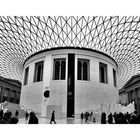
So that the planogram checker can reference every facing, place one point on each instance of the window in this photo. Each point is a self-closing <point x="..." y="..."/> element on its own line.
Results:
<point x="26" y="76"/>
<point x="103" y="73"/>
<point x="38" y="76"/>
<point x="59" y="69"/>
<point x="114" y="78"/>
<point x="17" y="101"/>
<point x="83" y="69"/>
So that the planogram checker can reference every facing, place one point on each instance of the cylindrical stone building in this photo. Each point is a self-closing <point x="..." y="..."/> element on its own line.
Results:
<point x="68" y="80"/>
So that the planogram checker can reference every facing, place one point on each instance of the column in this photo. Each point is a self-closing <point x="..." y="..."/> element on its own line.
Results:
<point x="8" y="97"/>
<point x="135" y="98"/>
<point x="2" y="93"/>
<point x="1" y="90"/>
<point x="129" y="97"/>
<point x="47" y="79"/>
<point x="138" y="100"/>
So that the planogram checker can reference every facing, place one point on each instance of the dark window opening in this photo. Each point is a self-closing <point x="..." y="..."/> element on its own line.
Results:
<point x="79" y="70"/>
<point x="83" y="69"/>
<point x="17" y="101"/>
<point x="26" y="76"/>
<point x="114" y="78"/>
<point x="59" y="69"/>
<point x="103" y="73"/>
<point x="63" y="70"/>
<point x="38" y="72"/>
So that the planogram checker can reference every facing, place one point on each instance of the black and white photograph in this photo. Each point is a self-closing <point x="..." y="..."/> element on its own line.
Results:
<point x="69" y="72"/>
<point x="70" y="69"/>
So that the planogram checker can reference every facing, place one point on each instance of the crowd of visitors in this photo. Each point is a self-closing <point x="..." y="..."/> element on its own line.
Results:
<point x="30" y="118"/>
<point x="113" y="118"/>
<point x="88" y="116"/>
<point x="120" y="118"/>
<point x="6" y="117"/>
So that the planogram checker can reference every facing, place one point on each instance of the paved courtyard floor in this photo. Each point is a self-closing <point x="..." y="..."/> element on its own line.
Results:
<point x="59" y="121"/>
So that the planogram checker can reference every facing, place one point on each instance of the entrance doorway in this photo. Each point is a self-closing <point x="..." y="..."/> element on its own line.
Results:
<point x="70" y="86"/>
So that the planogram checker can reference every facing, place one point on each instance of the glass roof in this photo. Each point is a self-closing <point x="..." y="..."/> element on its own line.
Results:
<point x="117" y="36"/>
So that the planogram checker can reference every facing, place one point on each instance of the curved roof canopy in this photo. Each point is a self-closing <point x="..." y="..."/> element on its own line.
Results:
<point x="119" y="37"/>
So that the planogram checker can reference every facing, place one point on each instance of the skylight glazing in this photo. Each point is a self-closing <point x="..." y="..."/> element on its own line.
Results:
<point x="117" y="36"/>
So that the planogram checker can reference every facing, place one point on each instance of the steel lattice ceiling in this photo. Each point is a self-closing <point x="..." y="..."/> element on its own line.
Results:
<point x="118" y="37"/>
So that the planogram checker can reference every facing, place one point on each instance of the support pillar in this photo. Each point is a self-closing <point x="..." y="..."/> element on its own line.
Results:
<point x="138" y="100"/>
<point x="46" y="86"/>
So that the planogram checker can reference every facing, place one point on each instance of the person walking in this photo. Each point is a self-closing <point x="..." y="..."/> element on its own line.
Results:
<point x="53" y="118"/>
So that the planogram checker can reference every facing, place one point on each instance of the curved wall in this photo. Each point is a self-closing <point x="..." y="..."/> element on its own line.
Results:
<point x="87" y="93"/>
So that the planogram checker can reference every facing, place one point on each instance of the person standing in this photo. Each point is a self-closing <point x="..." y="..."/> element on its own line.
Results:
<point x="26" y="115"/>
<point x="53" y="118"/>
<point x="82" y="117"/>
<point x="16" y="113"/>
<point x="103" y="118"/>
<point x="94" y="117"/>
<point x="110" y="118"/>
<point x="86" y="116"/>
<point x="33" y="119"/>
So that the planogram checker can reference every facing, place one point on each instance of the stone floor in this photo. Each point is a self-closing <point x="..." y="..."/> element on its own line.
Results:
<point x="59" y="121"/>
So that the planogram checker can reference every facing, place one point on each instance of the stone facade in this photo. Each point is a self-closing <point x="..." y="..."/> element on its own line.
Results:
<point x="10" y="90"/>
<point x="87" y="93"/>
<point x="131" y="92"/>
